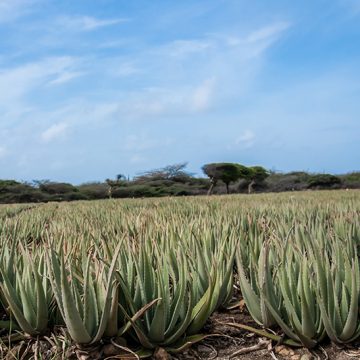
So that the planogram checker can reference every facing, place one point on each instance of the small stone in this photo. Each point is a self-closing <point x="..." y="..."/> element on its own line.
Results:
<point x="161" y="354"/>
<point x="286" y="352"/>
<point x="110" y="349"/>
<point x="307" y="357"/>
<point x="204" y="349"/>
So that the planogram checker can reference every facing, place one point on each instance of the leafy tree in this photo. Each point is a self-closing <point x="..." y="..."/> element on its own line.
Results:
<point x="257" y="174"/>
<point x="226" y="172"/>
<point x="120" y="177"/>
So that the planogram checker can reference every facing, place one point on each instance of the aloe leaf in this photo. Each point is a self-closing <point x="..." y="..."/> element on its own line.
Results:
<point x="105" y="311"/>
<point x="289" y="342"/>
<point x="72" y="317"/>
<point x="251" y="299"/>
<point x="136" y="316"/>
<point x="352" y="319"/>
<point x="182" y="327"/>
<point x="22" y="322"/>
<point x="184" y="344"/>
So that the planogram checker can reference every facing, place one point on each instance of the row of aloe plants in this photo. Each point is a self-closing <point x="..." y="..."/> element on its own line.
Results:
<point x="155" y="270"/>
<point x="151" y="291"/>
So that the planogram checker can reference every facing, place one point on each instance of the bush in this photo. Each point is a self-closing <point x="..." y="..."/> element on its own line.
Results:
<point x="15" y="192"/>
<point x="293" y="181"/>
<point x="136" y="191"/>
<point x="324" y="181"/>
<point x="57" y="188"/>
<point x="351" y="180"/>
<point x="94" y="190"/>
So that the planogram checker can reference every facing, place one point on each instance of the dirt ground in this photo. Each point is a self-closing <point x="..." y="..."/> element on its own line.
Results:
<point x="226" y="342"/>
<point x="238" y="344"/>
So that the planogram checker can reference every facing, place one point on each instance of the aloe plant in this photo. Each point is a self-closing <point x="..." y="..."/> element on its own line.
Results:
<point x="339" y="295"/>
<point x="86" y="300"/>
<point x="170" y="321"/>
<point x="24" y="288"/>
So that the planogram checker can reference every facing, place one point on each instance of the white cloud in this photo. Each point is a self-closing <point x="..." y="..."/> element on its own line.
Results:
<point x="53" y="132"/>
<point x="185" y="47"/>
<point x="12" y="9"/>
<point x="246" y="139"/>
<point x="125" y="69"/>
<point x="87" y="23"/>
<point x="268" y="32"/>
<point x="65" y="77"/>
<point x="202" y="95"/>
<point x="25" y="78"/>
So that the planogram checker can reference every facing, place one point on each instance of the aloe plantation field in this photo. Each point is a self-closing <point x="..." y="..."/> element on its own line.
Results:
<point x="241" y="276"/>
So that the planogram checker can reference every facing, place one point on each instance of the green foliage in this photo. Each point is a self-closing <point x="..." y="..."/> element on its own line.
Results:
<point x="94" y="191"/>
<point x="323" y="180"/>
<point x="226" y="172"/>
<point x="351" y="180"/>
<point x="152" y="271"/>
<point x="54" y="188"/>
<point x="258" y="174"/>
<point x="173" y="180"/>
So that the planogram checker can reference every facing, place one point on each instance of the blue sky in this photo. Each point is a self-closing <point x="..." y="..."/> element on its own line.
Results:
<point x="91" y="89"/>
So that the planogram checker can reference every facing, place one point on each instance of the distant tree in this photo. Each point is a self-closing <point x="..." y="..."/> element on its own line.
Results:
<point x="55" y="188"/>
<point x="226" y="172"/>
<point x="257" y="174"/>
<point x="38" y="183"/>
<point x="174" y="172"/>
<point x="120" y="177"/>
<point x="94" y="190"/>
<point x="323" y="181"/>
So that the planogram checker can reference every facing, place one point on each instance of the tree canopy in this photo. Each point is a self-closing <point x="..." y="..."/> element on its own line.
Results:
<point x="226" y="172"/>
<point x="257" y="174"/>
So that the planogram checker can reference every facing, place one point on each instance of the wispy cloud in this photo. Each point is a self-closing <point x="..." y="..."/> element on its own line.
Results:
<point x="27" y="77"/>
<point x="187" y="47"/>
<point x="65" y="77"/>
<point x="53" y="132"/>
<point x="13" y="9"/>
<point x="268" y="32"/>
<point x="202" y="95"/>
<point x="125" y="69"/>
<point x="87" y="23"/>
<point x="246" y="139"/>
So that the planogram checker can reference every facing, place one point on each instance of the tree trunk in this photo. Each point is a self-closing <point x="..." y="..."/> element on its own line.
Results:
<point x="210" y="189"/>
<point x="227" y="188"/>
<point x="213" y="183"/>
<point x="250" y="187"/>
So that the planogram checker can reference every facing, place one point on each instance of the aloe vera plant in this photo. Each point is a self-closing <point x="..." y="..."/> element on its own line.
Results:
<point x="299" y="314"/>
<point x="252" y="285"/>
<point x="156" y="269"/>
<point x="339" y="294"/>
<point x="24" y="289"/>
<point x="86" y="300"/>
<point x="169" y="321"/>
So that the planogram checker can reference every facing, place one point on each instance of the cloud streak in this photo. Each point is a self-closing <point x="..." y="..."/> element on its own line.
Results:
<point x="10" y="10"/>
<point x="54" y="132"/>
<point x="87" y="23"/>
